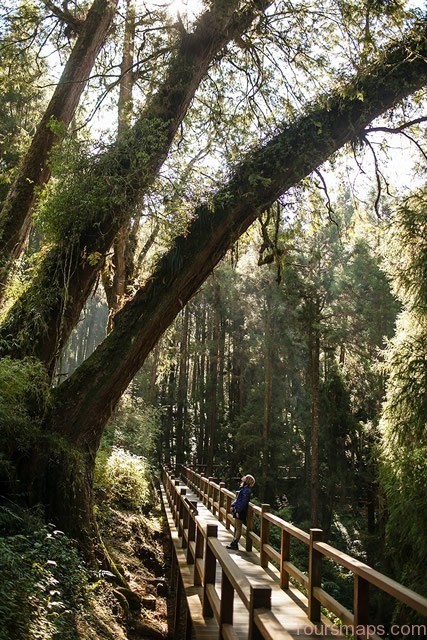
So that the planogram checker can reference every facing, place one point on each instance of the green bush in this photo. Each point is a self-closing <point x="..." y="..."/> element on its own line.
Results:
<point x="134" y="427"/>
<point x="123" y="479"/>
<point x="24" y="397"/>
<point x="44" y="582"/>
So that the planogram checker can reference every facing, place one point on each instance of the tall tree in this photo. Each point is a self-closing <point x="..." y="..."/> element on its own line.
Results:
<point x="403" y="424"/>
<point x="124" y="245"/>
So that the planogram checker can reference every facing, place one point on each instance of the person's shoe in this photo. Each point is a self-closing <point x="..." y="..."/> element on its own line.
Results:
<point x="233" y="545"/>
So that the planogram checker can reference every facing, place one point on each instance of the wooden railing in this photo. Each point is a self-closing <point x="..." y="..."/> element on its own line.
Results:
<point x="204" y="551"/>
<point x="218" y="499"/>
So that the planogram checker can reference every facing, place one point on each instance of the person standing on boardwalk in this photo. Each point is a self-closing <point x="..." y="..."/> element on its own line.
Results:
<point x="239" y="508"/>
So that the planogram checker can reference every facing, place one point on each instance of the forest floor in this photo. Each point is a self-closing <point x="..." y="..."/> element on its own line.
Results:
<point x="47" y="591"/>
<point x="139" y="544"/>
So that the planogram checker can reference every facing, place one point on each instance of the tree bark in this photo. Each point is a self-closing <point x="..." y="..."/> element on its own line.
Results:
<point x="181" y="406"/>
<point x="34" y="172"/>
<point x="122" y="255"/>
<point x="201" y="452"/>
<point x="268" y="398"/>
<point x="314" y="354"/>
<point x="120" y="179"/>
<point x="212" y="379"/>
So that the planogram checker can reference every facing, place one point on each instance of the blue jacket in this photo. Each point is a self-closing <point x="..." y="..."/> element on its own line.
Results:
<point x="240" y="504"/>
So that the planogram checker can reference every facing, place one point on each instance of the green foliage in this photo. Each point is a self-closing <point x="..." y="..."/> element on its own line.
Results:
<point x="92" y="186"/>
<point x="21" y="95"/>
<point x="406" y="259"/>
<point x="123" y="479"/>
<point x="44" y="582"/>
<point x="76" y="194"/>
<point x="404" y="419"/>
<point x="134" y="427"/>
<point x="24" y="400"/>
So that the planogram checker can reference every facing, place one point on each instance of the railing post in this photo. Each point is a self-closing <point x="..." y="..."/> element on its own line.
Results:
<point x="221" y="501"/>
<point x="210" y="569"/>
<point x="178" y="602"/>
<point x="198" y="576"/>
<point x="264" y="535"/>
<point x="169" y="489"/>
<point x="226" y="608"/>
<point x="185" y="518"/>
<point x="191" y="533"/>
<point x="179" y="512"/>
<point x="314" y="575"/>
<point x="361" y="607"/>
<point x="260" y="598"/>
<point x="285" y="554"/>
<point x="214" y="496"/>
<point x="227" y="511"/>
<point x="175" y="497"/>
<point x="249" y="528"/>
<point x="205" y="490"/>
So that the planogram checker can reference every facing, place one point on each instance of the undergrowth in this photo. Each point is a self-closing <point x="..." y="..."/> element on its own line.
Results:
<point x="45" y="585"/>
<point x="47" y="591"/>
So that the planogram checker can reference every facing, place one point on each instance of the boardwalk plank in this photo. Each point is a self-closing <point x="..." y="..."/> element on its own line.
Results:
<point x="289" y="606"/>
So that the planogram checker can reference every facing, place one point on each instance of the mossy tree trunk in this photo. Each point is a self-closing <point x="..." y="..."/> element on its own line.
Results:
<point x="122" y="255"/>
<point x="34" y="172"/>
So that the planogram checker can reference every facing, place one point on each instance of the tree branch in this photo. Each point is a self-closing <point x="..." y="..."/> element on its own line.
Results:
<point x="130" y="168"/>
<point x="65" y="15"/>
<point x="402" y="127"/>
<point x="402" y="130"/>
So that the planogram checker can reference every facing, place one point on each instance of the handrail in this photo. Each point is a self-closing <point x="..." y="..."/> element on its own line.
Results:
<point x="204" y="550"/>
<point x="214" y="494"/>
<point x="374" y="577"/>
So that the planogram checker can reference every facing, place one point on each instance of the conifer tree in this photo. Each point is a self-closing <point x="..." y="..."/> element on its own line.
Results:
<point x="404" y="418"/>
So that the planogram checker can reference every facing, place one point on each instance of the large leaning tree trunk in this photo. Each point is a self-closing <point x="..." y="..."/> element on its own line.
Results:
<point x="83" y="403"/>
<point x="34" y="172"/>
<point x="39" y="324"/>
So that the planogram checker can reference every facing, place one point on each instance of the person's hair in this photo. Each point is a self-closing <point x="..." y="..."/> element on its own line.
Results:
<point x="249" y="480"/>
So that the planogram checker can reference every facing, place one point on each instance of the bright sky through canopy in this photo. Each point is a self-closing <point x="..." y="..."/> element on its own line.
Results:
<point x="185" y="8"/>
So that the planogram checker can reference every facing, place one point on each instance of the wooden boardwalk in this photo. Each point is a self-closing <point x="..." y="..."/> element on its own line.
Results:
<point x="289" y="606"/>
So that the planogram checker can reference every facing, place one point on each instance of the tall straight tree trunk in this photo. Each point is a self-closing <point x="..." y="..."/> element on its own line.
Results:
<point x="121" y="253"/>
<point x="235" y="391"/>
<point x="314" y="351"/>
<point x="221" y="369"/>
<point x="34" y="172"/>
<point x="84" y="402"/>
<point x="168" y="420"/>
<point x="268" y="398"/>
<point x="152" y="393"/>
<point x="212" y="381"/>
<point x="181" y="405"/>
<point x="201" y="449"/>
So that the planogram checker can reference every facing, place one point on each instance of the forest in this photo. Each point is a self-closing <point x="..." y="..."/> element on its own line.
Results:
<point x="213" y="253"/>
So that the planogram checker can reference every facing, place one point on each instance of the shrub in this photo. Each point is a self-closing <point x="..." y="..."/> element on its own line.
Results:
<point x="44" y="584"/>
<point x="123" y="479"/>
